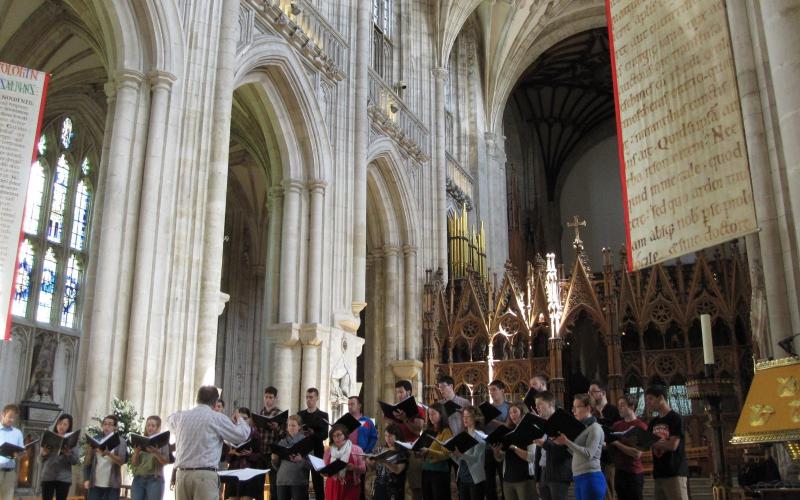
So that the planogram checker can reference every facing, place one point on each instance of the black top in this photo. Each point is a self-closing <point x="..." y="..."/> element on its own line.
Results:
<point x="610" y="415"/>
<point x="558" y="463"/>
<point x="516" y="469"/>
<point x="314" y="421"/>
<point x="670" y="463"/>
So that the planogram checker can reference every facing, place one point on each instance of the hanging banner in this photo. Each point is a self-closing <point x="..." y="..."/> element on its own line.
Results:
<point x="683" y="160"/>
<point x="22" y="94"/>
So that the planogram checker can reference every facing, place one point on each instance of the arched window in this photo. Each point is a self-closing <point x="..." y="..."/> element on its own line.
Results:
<point x="382" y="49"/>
<point x="54" y="250"/>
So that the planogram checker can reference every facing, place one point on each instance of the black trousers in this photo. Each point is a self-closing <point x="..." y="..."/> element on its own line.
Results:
<point x="435" y="485"/>
<point x="294" y="492"/>
<point x="319" y="485"/>
<point x="57" y="488"/>
<point x="492" y="467"/>
<point x="471" y="491"/>
<point x="629" y="486"/>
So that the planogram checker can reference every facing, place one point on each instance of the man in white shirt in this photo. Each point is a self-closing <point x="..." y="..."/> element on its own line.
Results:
<point x="8" y="466"/>
<point x="199" y="433"/>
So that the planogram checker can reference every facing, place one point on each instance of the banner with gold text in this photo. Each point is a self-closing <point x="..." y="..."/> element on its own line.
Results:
<point x="683" y="161"/>
<point x="22" y="94"/>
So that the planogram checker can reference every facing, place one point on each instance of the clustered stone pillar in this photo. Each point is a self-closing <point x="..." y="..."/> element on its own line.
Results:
<point x="315" y="242"/>
<point x="390" y="313"/>
<point x="440" y="168"/>
<point x="290" y="243"/>
<point x="145" y="352"/>
<point x="104" y="331"/>
<point x="411" y="303"/>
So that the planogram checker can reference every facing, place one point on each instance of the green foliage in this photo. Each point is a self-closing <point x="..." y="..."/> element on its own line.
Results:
<point x="129" y="421"/>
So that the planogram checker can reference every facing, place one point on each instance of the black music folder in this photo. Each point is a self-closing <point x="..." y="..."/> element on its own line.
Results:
<point x="462" y="442"/>
<point x="156" y="440"/>
<point x="53" y="441"/>
<point x="107" y="443"/>
<point x="302" y="448"/>
<point x="262" y="421"/>
<point x="489" y="411"/>
<point x="407" y="406"/>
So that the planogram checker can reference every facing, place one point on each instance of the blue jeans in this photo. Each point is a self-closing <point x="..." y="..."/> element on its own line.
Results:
<point x="590" y="486"/>
<point x="147" y="488"/>
<point x="96" y="493"/>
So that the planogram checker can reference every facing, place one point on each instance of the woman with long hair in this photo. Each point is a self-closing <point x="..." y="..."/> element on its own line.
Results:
<point x="471" y="475"/>
<point x="56" y="475"/>
<point x="518" y="477"/>
<point x="435" y="464"/>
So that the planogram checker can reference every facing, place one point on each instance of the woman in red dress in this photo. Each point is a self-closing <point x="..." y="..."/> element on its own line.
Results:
<point x="346" y="484"/>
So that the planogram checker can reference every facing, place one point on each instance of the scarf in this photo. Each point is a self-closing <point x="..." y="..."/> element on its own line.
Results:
<point x="342" y="454"/>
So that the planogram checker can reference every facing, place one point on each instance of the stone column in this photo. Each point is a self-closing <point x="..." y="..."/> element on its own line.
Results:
<point x="360" y="144"/>
<point x="767" y="250"/>
<point x="412" y="303"/>
<point x="440" y="168"/>
<point x="311" y="340"/>
<point x="104" y="331"/>
<point x="555" y="346"/>
<point x="390" y="311"/>
<point x="273" y="254"/>
<point x="780" y="21"/>
<point x="290" y="250"/>
<point x="316" y="241"/>
<point x="216" y="195"/>
<point x="497" y="247"/>
<point x="284" y="371"/>
<point x="144" y="340"/>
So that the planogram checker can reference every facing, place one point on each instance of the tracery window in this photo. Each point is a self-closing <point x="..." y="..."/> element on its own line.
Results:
<point x="382" y="49"/>
<point x="54" y="251"/>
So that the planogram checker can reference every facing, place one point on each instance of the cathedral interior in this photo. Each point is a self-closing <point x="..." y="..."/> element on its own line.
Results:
<point x="341" y="195"/>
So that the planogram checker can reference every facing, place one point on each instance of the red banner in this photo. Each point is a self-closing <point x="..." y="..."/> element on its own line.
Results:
<point x="22" y="97"/>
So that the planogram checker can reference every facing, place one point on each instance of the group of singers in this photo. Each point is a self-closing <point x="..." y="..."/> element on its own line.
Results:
<point x="206" y="441"/>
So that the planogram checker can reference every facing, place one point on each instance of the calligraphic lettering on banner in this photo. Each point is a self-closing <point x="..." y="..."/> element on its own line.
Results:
<point x="683" y="161"/>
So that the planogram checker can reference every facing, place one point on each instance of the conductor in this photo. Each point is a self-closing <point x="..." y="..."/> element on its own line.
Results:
<point x="199" y="433"/>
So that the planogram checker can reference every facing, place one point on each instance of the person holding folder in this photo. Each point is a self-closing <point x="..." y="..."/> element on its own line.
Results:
<point x="102" y="472"/>
<point x="445" y="383"/>
<point x="147" y="466"/>
<point x="518" y="478"/>
<point x="590" y="483"/>
<point x="390" y="470"/>
<point x="315" y="426"/>
<point x="471" y="475"/>
<point x="345" y="484"/>
<point x="291" y="477"/>
<point x="629" y="477"/>
<point x="272" y="434"/>
<point x="56" y="471"/>
<point x="8" y="466"/>
<point x="247" y="456"/>
<point x="435" y="465"/>
<point x="553" y="465"/>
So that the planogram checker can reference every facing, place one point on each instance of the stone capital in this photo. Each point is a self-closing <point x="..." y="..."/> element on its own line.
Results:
<point x="409" y="250"/>
<point x="391" y="250"/>
<point x="317" y="186"/>
<point x="128" y="78"/>
<point x="407" y="369"/>
<point x="287" y="334"/>
<point x="440" y="74"/>
<point x="161" y="80"/>
<point x="110" y="90"/>
<point x="313" y="334"/>
<point x="292" y="186"/>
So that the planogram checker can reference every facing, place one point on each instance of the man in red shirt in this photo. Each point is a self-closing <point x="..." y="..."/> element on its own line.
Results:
<point x="629" y="477"/>
<point x="410" y="428"/>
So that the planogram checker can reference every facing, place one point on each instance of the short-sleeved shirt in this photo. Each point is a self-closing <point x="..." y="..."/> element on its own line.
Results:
<point x="670" y="463"/>
<point x="622" y="461"/>
<point x="10" y="435"/>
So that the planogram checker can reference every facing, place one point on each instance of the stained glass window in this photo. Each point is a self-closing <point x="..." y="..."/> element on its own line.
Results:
<point x="57" y="226"/>
<point x="80" y="217"/>
<point x="33" y="203"/>
<point x="22" y="290"/>
<point x="72" y="278"/>
<point x="66" y="133"/>
<point x="48" y="288"/>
